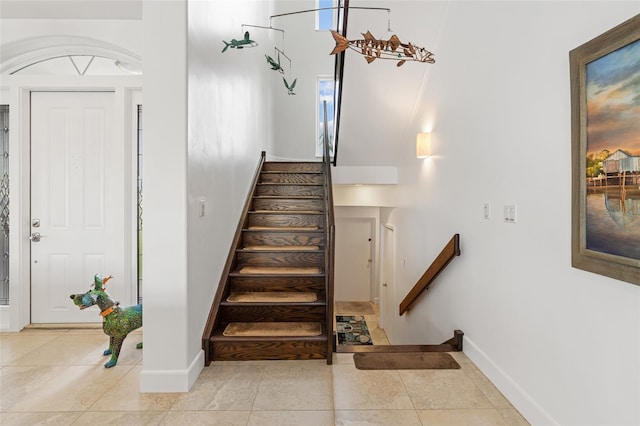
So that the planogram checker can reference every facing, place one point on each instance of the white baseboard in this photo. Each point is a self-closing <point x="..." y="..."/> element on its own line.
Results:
<point x="5" y="319"/>
<point x="162" y="381"/>
<point x="519" y="398"/>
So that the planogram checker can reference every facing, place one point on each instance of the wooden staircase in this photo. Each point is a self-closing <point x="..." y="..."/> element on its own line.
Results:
<point x="272" y="299"/>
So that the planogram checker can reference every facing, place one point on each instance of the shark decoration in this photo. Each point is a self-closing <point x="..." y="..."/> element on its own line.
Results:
<point x="372" y="48"/>
<point x="239" y="44"/>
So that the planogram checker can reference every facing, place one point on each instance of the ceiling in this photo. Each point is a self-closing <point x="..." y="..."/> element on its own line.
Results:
<point x="71" y="9"/>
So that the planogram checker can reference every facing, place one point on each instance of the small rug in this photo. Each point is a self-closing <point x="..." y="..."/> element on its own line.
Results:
<point x="405" y="361"/>
<point x="273" y="329"/>
<point x="352" y="330"/>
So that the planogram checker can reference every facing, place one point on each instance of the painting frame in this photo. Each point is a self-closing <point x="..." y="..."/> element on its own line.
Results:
<point x="600" y="262"/>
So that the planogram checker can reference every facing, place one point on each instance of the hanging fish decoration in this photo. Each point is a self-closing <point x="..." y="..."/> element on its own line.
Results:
<point x="291" y="86"/>
<point x="373" y="49"/>
<point x="239" y="44"/>
<point x="274" y="65"/>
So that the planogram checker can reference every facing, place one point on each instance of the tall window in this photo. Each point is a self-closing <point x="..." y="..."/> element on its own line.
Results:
<point x="324" y="18"/>
<point x="4" y="205"/>
<point x="324" y="93"/>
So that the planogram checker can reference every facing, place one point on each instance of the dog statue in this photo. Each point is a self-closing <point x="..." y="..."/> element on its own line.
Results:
<point x="117" y="322"/>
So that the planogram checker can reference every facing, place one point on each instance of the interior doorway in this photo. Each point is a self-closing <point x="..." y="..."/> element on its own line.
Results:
<point x="354" y="259"/>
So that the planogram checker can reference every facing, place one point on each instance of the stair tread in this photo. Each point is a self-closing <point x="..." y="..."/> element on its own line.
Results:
<point x="288" y="211"/>
<point x="283" y="228"/>
<point x="280" y="248"/>
<point x="273" y="329"/>
<point x="273" y="297"/>
<point x="289" y="184"/>
<point x="282" y="270"/>
<point x="289" y="197"/>
<point x="289" y="173"/>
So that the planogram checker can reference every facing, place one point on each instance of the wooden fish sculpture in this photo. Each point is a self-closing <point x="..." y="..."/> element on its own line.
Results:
<point x="372" y="48"/>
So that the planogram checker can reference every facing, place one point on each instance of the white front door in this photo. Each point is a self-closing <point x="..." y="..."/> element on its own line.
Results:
<point x="77" y="202"/>
<point x="353" y="260"/>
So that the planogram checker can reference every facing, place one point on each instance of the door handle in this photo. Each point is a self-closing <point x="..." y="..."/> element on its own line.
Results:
<point x="384" y="284"/>
<point x="35" y="237"/>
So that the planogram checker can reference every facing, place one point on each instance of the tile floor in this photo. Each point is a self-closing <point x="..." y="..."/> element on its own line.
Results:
<point x="55" y="376"/>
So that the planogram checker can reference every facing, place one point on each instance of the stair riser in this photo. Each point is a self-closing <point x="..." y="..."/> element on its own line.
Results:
<point x="276" y="190"/>
<point x="288" y="259"/>
<point x="272" y="313"/>
<point x="291" y="178"/>
<point x="278" y="284"/>
<point x="281" y="220"/>
<point x="277" y="166"/>
<point x="248" y="350"/>
<point x="258" y="238"/>
<point x="288" y="205"/>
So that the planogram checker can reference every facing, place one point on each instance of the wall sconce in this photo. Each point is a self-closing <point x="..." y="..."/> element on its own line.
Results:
<point x="423" y="145"/>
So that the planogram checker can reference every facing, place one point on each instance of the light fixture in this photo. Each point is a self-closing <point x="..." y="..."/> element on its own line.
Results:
<point x="423" y="145"/>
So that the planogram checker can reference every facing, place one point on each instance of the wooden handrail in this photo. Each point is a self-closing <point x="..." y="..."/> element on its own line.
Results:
<point x="451" y="250"/>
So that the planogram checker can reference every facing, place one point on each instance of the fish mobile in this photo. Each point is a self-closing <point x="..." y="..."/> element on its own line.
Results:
<point x="372" y="48"/>
<point x="239" y="44"/>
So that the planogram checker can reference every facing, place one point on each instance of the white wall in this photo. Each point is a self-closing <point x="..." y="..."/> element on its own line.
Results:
<point x="219" y="113"/>
<point x="230" y="113"/>
<point x="169" y="361"/>
<point x="562" y="344"/>
<point x="308" y="49"/>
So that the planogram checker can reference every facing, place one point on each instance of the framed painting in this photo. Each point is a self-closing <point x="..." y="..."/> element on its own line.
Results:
<point x="605" y="154"/>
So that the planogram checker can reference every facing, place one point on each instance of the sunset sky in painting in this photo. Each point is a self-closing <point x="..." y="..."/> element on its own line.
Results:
<point x="613" y="101"/>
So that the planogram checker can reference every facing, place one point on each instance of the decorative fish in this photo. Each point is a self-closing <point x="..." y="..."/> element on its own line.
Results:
<point x="239" y="44"/>
<point x="373" y="49"/>
<point x="273" y="64"/>
<point x="290" y="87"/>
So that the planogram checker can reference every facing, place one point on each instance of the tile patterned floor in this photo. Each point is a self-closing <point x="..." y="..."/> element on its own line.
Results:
<point x="57" y="377"/>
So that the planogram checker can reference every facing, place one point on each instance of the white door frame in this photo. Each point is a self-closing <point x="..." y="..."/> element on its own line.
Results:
<point x="20" y="87"/>
<point x="386" y="323"/>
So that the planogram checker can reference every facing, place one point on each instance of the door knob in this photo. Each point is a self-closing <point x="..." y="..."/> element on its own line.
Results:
<point x="35" y="237"/>
<point x="384" y="284"/>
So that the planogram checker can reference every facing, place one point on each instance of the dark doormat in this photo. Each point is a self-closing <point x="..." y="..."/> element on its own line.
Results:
<point x="352" y="330"/>
<point x="405" y="361"/>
